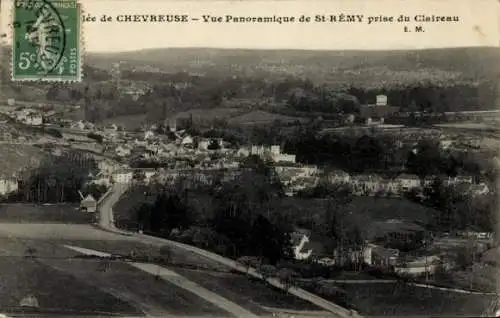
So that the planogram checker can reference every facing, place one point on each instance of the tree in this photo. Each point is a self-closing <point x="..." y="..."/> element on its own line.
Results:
<point x="143" y="216"/>
<point x="30" y="252"/>
<point x="287" y="277"/>
<point x="249" y="262"/>
<point x="96" y="137"/>
<point x="104" y="265"/>
<point x="366" y="154"/>
<point x="169" y="212"/>
<point x="213" y="145"/>
<point x="58" y="178"/>
<point x="243" y="215"/>
<point x="268" y="240"/>
<point x="166" y="254"/>
<point x="340" y="232"/>
<point x="267" y="271"/>
<point x="424" y="159"/>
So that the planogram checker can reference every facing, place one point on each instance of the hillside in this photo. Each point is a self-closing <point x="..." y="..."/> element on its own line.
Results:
<point x="454" y="79"/>
<point x="15" y="158"/>
<point x="326" y="66"/>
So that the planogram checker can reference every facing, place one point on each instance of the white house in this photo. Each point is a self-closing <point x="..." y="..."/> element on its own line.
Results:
<point x="338" y="176"/>
<point x="419" y="266"/>
<point x="34" y="119"/>
<point x="123" y="151"/>
<point x="149" y="174"/>
<point x="257" y="150"/>
<point x="478" y="189"/>
<point x="408" y="181"/>
<point x="282" y="157"/>
<point x="106" y="166"/>
<point x="187" y="141"/>
<point x="299" y="239"/>
<point x="8" y="185"/>
<point x="149" y="135"/>
<point x="89" y="203"/>
<point x="378" y="256"/>
<point x="203" y="144"/>
<point x="124" y="176"/>
<point x="243" y="152"/>
<point x="78" y="125"/>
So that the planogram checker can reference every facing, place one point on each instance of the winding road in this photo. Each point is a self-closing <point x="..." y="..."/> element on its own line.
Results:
<point x="107" y="223"/>
<point x="85" y="268"/>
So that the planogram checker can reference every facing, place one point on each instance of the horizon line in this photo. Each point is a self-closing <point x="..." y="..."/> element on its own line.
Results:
<point x="293" y="49"/>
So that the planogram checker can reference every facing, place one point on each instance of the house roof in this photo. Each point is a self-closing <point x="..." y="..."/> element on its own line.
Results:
<point x="89" y="198"/>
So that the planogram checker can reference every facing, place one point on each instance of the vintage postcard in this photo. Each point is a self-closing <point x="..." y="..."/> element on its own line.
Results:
<point x="164" y="158"/>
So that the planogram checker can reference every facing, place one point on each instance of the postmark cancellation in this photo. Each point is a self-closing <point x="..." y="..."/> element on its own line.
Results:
<point x="46" y="41"/>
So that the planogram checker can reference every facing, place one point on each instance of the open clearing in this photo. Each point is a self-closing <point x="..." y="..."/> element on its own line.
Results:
<point x="363" y="207"/>
<point x="158" y="297"/>
<point x="52" y="288"/>
<point x="33" y="213"/>
<point x="250" y="293"/>
<point x="260" y="117"/>
<point x="470" y="126"/>
<point x="399" y="300"/>
<point x="130" y="122"/>
<point x="210" y="114"/>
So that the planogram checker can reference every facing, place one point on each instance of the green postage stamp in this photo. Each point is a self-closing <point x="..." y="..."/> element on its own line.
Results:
<point x="46" y="41"/>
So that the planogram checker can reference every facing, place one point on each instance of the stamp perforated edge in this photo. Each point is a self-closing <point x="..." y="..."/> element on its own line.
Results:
<point x="81" y="50"/>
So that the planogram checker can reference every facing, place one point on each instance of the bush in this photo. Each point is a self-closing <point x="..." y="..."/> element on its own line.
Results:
<point x="96" y="137"/>
<point x="54" y="133"/>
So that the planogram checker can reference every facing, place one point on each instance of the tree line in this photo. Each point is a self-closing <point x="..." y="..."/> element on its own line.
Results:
<point x="457" y="210"/>
<point x="378" y="153"/>
<point x="172" y="92"/>
<point x="240" y="224"/>
<point x="57" y="179"/>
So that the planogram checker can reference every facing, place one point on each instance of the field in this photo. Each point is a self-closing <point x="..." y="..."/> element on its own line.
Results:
<point x="254" y="294"/>
<point x="125" y="247"/>
<point x="75" y="115"/>
<point x="473" y="126"/>
<point x="32" y="213"/>
<point x="210" y="114"/>
<point x="260" y="117"/>
<point x="398" y="300"/>
<point x="161" y="298"/>
<point x="61" y="281"/>
<point x="234" y="116"/>
<point x="54" y="289"/>
<point x="130" y="122"/>
<point x="362" y="208"/>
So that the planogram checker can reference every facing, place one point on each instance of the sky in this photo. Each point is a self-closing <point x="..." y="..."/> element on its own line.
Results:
<point x="478" y="25"/>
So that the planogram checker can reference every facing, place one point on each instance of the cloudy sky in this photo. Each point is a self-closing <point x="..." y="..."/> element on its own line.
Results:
<point x="478" y="26"/>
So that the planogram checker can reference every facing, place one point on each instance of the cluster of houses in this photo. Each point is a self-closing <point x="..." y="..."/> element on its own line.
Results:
<point x="377" y="185"/>
<point x="299" y="177"/>
<point x="28" y="116"/>
<point x="382" y="249"/>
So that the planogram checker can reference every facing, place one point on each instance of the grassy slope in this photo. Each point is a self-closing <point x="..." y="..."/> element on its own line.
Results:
<point x="32" y="213"/>
<point x="53" y="289"/>
<point x="14" y="158"/>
